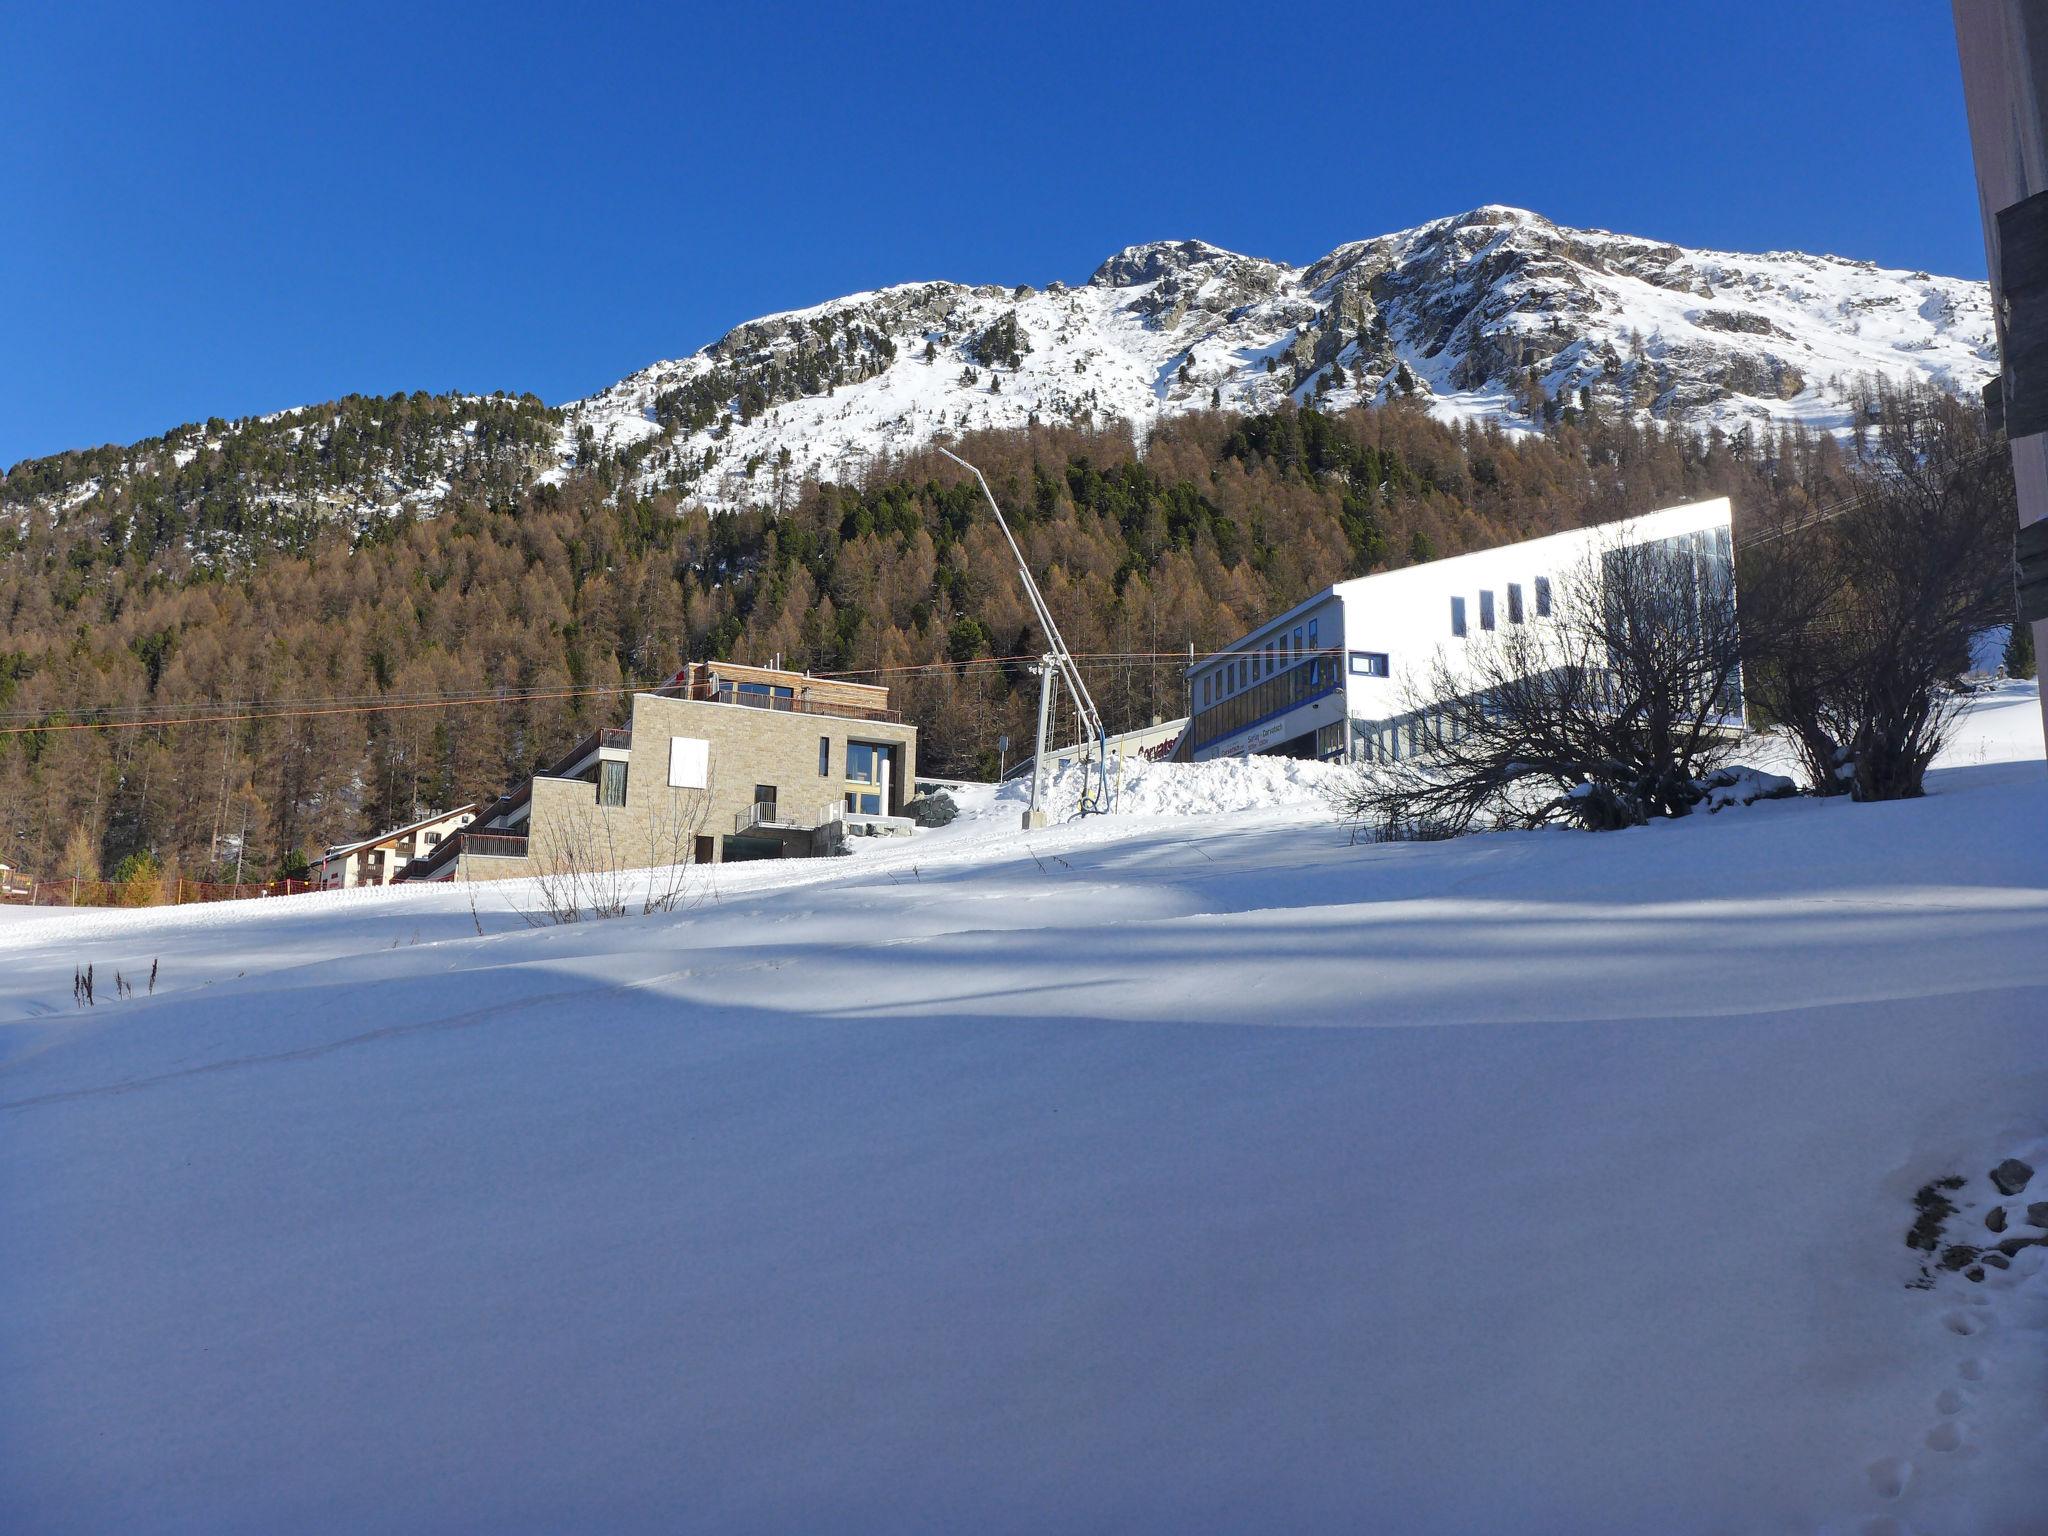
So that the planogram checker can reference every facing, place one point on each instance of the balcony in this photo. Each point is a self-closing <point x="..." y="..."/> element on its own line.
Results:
<point x="478" y="845"/>
<point x="770" y="815"/>
<point x="596" y="744"/>
<point x="789" y="704"/>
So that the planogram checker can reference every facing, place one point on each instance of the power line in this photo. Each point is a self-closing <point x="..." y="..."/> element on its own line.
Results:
<point x="219" y="712"/>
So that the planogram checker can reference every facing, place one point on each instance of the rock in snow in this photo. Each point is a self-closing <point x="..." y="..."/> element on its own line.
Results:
<point x="2011" y="1176"/>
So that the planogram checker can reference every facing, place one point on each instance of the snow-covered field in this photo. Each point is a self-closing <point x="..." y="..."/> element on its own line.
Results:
<point x="1177" y="1172"/>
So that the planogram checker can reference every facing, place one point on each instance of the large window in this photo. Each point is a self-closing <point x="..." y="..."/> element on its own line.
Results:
<point x="1486" y="609"/>
<point x="611" y="783"/>
<point x="1369" y="664"/>
<point x="1542" y="597"/>
<point x="866" y="765"/>
<point x="824" y="757"/>
<point x="1514" y="602"/>
<point x="1458" y="617"/>
<point x="1295" y="685"/>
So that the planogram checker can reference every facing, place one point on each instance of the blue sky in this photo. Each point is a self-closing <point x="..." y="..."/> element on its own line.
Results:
<point x="237" y="209"/>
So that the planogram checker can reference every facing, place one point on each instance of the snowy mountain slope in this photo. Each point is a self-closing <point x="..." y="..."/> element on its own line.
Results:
<point x="1195" y="1174"/>
<point x="1476" y="314"/>
<point x="1497" y="314"/>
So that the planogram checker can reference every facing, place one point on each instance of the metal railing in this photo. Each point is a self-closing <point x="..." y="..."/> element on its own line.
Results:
<point x="732" y="695"/>
<point x="493" y="845"/>
<point x="483" y="845"/>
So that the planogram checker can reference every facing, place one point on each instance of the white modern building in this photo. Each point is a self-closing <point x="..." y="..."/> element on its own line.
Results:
<point x="1338" y="676"/>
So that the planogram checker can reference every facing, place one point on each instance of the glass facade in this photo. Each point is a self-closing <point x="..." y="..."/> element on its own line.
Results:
<point x="1296" y="685"/>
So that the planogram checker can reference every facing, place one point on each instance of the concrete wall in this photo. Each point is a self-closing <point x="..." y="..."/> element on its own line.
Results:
<point x="660" y="825"/>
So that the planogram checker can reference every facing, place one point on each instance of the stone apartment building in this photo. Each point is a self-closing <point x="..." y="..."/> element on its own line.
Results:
<point x="380" y="860"/>
<point x="722" y="763"/>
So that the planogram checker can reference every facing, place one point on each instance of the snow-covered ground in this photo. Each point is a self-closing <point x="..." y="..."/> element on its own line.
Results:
<point x="1188" y="1172"/>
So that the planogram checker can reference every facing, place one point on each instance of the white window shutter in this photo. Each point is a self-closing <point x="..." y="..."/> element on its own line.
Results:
<point x="689" y="763"/>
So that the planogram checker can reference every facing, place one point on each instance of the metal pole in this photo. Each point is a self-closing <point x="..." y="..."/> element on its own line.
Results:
<point x="1058" y="655"/>
<point x="1035" y="816"/>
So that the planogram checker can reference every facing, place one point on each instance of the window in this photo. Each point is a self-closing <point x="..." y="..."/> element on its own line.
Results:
<point x="1458" y="617"/>
<point x="611" y="783"/>
<point x="1514" y="602"/>
<point x="1208" y="690"/>
<point x="1542" y="597"/>
<point x="689" y="762"/>
<point x="1297" y="639"/>
<point x="764" y="794"/>
<point x="1486" y="609"/>
<point x="1368" y="664"/>
<point x="433" y="838"/>
<point x="824" y="757"/>
<point x="1312" y="641"/>
<point x="866" y="764"/>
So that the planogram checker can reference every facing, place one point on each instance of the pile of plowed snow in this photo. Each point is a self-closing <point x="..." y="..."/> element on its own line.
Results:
<point x="1193" y="789"/>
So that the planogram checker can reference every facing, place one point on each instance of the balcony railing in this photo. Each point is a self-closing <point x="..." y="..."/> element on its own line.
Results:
<point x="610" y="737"/>
<point x="728" y="693"/>
<point x="481" y="845"/>
<point x="493" y="845"/>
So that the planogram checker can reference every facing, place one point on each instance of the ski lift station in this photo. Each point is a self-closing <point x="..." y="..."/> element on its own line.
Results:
<point x="1343" y="674"/>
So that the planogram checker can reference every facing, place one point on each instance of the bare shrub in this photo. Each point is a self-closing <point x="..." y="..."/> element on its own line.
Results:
<point x="1859" y="621"/>
<point x="673" y="828"/>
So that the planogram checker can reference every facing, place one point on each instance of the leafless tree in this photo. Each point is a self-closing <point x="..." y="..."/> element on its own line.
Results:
<point x="584" y="871"/>
<point x="580" y="871"/>
<point x="1607" y="712"/>
<point x="1859" y="618"/>
<point x="673" y="829"/>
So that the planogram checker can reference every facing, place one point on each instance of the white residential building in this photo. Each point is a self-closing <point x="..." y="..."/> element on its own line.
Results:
<point x="378" y="860"/>
<point x="1338" y="676"/>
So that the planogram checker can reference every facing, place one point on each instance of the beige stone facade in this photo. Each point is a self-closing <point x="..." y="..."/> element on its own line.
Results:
<point x="705" y="772"/>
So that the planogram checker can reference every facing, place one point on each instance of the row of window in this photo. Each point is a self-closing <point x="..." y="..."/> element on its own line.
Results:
<point x="1296" y="685"/>
<point x="1253" y="667"/>
<point x="1486" y="609"/>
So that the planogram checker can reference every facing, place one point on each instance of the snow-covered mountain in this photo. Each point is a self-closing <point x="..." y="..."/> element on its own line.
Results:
<point x="1495" y="314"/>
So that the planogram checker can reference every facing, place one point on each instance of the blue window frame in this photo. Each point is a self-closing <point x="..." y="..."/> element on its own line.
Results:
<point x="1458" y="617"/>
<point x="1297" y="639"/>
<point x="1486" y="609"/>
<point x="1313" y="644"/>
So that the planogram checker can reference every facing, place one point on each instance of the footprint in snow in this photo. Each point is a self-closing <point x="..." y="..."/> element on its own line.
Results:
<point x="1950" y="1401"/>
<point x="1962" y="1323"/>
<point x="1885" y="1525"/>
<point x="1946" y="1436"/>
<point x="1889" y="1477"/>
<point x="1972" y="1369"/>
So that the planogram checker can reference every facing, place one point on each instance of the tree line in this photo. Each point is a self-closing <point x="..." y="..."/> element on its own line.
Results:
<point x="563" y="595"/>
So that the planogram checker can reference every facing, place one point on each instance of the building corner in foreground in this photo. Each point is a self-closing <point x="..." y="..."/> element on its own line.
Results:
<point x="2003" y="45"/>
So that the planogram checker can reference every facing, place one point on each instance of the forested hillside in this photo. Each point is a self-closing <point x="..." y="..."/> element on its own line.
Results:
<point x="192" y="597"/>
